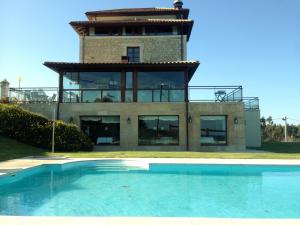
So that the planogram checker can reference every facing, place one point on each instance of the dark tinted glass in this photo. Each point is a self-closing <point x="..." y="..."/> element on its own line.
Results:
<point x="158" y="130"/>
<point x="100" y="80"/>
<point x="103" y="130"/>
<point x="158" y="80"/>
<point x="213" y="130"/>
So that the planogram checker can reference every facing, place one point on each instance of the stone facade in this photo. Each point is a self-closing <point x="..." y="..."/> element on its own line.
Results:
<point x="153" y="48"/>
<point x="253" y="129"/>
<point x="129" y="131"/>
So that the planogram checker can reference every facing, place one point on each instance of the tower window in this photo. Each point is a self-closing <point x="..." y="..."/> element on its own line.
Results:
<point x="133" y="54"/>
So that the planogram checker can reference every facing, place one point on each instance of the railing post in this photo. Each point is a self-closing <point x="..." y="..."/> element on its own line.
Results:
<point x="4" y="90"/>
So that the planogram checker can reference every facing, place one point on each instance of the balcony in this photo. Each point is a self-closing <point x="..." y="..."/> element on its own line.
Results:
<point x="196" y="94"/>
<point x="33" y="95"/>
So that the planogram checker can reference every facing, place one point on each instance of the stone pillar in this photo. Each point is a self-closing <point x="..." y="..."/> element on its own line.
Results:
<point x="4" y="89"/>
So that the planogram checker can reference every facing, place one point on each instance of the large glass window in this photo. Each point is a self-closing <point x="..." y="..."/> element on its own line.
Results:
<point x="90" y="87"/>
<point x="129" y="87"/>
<point x="161" y="86"/>
<point x="71" y="81"/>
<point x="158" y="130"/>
<point x="103" y="130"/>
<point x="100" y="80"/>
<point x="213" y="130"/>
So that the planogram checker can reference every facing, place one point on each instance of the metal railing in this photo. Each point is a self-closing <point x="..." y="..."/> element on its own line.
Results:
<point x="251" y="103"/>
<point x="33" y="95"/>
<point x="196" y="94"/>
<point x="216" y="93"/>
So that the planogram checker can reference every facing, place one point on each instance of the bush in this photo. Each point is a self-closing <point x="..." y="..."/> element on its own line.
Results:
<point x="36" y="130"/>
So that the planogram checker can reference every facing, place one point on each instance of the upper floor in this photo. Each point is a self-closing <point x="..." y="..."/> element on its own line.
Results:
<point x="135" y="35"/>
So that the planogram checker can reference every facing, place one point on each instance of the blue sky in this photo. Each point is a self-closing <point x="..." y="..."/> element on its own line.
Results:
<point x="255" y="43"/>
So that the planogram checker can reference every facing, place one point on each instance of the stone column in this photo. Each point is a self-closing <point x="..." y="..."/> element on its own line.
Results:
<point x="4" y="89"/>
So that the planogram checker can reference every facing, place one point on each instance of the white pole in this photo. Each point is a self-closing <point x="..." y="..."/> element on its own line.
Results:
<point x="53" y="130"/>
<point x="285" y="128"/>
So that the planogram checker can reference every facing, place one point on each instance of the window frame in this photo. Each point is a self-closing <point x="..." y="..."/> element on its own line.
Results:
<point x="101" y="116"/>
<point x="136" y="59"/>
<point x="158" y="116"/>
<point x="226" y="131"/>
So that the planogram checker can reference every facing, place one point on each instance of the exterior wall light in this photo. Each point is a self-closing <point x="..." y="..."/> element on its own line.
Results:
<point x="128" y="120"/>
<point x="236" y="120"/>
<point x="190" y="120"/>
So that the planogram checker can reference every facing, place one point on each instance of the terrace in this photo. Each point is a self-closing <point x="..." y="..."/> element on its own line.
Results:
<point x="221" y="94"/>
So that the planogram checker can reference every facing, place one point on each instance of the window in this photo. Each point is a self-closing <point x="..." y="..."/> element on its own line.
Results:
<point x="90" y="87"/>
<point x="103" y="130"/>
<point x="161" y="86"/>
<point x="71" y="81"/>
<point x="213" y="130"/>
<point x="129" y="87"/>
<point x="133" y="54"/>
<point x="158" y="130"/>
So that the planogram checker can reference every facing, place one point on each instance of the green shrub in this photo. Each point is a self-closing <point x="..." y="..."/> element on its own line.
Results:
<point x="36" y="130"/>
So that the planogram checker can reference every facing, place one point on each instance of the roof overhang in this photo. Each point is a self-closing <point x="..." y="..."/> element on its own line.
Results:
<point x="62" y="67"/>
<point x="82" y="27"/>
<point x="139" y="12"/>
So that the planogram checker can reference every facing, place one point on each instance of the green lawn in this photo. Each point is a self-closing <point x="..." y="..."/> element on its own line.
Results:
<point x="10" y="149"/>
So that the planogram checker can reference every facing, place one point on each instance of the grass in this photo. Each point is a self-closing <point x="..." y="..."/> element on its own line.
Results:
<point x="11" y="149"/>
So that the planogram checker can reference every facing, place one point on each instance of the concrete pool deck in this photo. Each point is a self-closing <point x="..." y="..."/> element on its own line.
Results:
<point x="13" y="166"/>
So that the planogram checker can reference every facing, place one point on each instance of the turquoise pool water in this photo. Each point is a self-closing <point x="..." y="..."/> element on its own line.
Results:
<point x="111" y="188"/>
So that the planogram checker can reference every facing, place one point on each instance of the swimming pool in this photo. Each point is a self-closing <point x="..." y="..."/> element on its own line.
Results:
<point x="135" y="189"/>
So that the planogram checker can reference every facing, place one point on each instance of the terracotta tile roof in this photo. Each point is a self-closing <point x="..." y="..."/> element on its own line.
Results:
<point x="137" y="21"/>
<point x="139" y="11"/>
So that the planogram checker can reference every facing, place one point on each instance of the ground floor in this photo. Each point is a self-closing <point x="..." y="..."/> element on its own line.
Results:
<point x="160" y="126"/>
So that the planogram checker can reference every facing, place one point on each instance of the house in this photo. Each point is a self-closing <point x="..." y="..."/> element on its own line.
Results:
<point x="130" y="90"/>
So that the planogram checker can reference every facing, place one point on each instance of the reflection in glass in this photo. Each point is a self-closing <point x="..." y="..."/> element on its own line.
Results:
<point x="71" y="81"/>
<point x="177" y="96"/>
<point x="129" y="96"/>
<point x="91" y="96"/>
<point x="161" y="96"/>
<point x="100" y="80"/>
<point x="144" y="96"/>
<point x="129" y="80"/>
<point x="161" y="80"/>
<point x="103" y="130"/>
<point x="71" y="96"/>
<point x="213" y="130"/>
<point x="111" y="96"/>
<point x="158" y="130"/>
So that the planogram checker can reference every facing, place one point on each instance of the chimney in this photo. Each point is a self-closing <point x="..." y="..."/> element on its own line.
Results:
<point x="178" y="4"/>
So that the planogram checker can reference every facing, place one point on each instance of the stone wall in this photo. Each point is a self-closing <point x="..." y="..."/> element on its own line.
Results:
<point x="153" y="48"/>
<point x="253" y="130"/>
<point x="129" y="131"/>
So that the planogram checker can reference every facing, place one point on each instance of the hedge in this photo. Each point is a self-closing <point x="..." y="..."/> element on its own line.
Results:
<point x="36" y="130"/>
